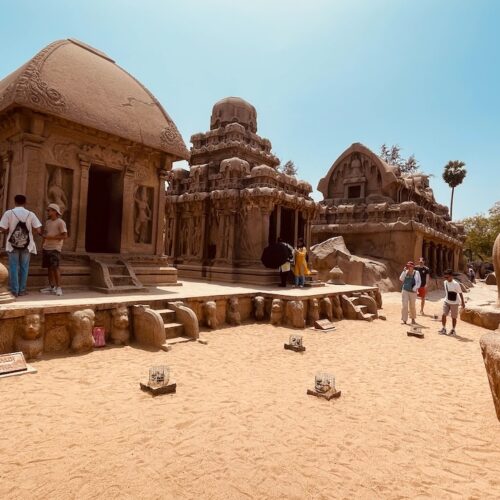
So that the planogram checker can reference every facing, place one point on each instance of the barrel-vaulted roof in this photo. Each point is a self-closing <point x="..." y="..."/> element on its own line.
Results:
<point x="74" y="81"/>
<point x="389" y="174"/>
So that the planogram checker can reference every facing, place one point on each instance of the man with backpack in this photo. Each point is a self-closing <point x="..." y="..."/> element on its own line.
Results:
<point x="19" y="224"/>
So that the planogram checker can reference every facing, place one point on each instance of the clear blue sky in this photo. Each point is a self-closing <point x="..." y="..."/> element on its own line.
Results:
<point x="424" y="74"/>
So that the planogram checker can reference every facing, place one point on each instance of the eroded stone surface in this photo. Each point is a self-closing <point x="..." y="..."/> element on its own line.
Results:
<point x="490" y="348"/>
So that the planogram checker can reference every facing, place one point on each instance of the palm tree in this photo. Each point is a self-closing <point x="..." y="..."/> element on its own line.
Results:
<point x="454" y="174"/>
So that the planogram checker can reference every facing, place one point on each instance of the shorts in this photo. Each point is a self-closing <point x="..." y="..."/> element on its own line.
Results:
<point x="422" y="292"/>
<point x="453" y="308"/>
<point x="51" y="258"/>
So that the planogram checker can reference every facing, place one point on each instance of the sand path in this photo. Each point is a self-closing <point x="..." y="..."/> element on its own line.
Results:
<point x="415" y="419"/>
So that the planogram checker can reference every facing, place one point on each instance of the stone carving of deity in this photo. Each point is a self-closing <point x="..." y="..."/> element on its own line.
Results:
<point x="55" y="191"/>
<point x="143" y="215"/>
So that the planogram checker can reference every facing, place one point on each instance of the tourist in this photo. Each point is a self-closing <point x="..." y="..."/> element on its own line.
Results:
<point x="424" y="271"/>
<point x="19" y="224"/>
<point x="471" y="273"/>
<point x="411" y="283"/>
<point x="53" y="237"/>
<point x="453" y="291"/>
<point x="285" y="268"/>
<point x="300" y="269"/>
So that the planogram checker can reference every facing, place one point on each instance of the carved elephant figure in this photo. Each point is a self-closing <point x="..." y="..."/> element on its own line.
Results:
<point x="233" y="312"/>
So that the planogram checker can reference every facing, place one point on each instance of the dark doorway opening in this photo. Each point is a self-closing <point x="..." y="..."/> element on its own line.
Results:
<point x="104" y="210"/>
<point x="288" y="225"/>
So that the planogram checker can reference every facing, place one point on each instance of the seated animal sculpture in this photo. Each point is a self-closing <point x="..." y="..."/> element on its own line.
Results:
<point x="233" y="312"/>
<point x="313" y="313"/>
<point x="259" y="311"/>
<point x="120" y="326"/>
<point x="295" y="313"/>
<point x="29" y="339"/>
<point x="276" y="312"/>
<point x="210" y="313"/>
<point x="82" y="323"/>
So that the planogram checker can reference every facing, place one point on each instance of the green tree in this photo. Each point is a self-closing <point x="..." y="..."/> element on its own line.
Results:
<point x="481" y="231"/>
<point x="288" y="168"/>
<point x="392" y="156"/>
<point x="454" y="173"/>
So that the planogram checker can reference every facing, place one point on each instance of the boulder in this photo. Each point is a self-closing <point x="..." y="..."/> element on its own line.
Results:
<point x="491" y="279"/>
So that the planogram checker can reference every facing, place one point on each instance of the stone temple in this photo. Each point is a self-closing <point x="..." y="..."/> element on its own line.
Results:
<point x="233" y="202"/>
<point x="79" y="131"/>
<point x="385" y="215"/>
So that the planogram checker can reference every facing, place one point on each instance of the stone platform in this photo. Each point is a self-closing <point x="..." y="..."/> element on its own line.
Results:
<point x="40" y="323"/>
<point x="481" y="307"/>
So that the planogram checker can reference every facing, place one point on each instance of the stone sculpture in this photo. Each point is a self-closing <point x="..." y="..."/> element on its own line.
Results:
<point x="82" y="323"/>
<point x="210" y="313"/>
<point x="233" y="312"/>
<point x="490" y="348"/>
<point x="259" y="310"/>
<point x="313" y="312"/>
<point x="276" y="312"/>
<point x="149" y="329"/>
<point x="295" y="313"/>
<point x="336" y="276"/>
<point x="326" y="308"/>
<point x="120" y="334"/>
<point x="496" y="264"/>
<point x="337" y="308"/>
<point x="29" y="339"/>
<point x="55" y="191"/>
<point x="187" y="318"/>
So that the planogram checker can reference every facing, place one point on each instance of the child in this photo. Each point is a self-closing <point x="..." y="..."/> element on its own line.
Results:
<point x="452" y="292"/>
<point x="54" y="234"/>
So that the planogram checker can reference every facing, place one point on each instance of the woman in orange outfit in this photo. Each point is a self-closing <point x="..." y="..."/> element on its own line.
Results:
<point x="300" y="270"/>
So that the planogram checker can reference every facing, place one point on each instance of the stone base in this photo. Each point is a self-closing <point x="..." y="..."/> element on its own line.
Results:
<point x="250" y="276"/>
<point x="331" y="394"/>
<point x="486" y="316"/>
<point x="290" y="347"/>
<point x="156" y="390"/>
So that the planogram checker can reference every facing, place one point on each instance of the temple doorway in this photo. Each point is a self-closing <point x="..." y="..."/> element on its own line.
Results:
<point x="288" y="225"/>
<point x="104" y="210"/>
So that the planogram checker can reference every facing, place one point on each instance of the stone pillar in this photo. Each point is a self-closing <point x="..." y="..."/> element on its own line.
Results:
<point x="5" y="157"/>
<point x="278" y="221"/>
<point x="433" y="259"/>
<point x="82" y="210"/>
<point x="127" y="237"/>
<point x="160" y="225"/>
<point x="425" y="252"/>
<point x="440" y="260"/>
<point x="296" y="228"/>
<point x="35" y="172"/>
<point x="417" y="249"/>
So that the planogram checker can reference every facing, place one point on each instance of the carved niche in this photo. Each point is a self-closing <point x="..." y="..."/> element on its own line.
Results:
<point x="143" y="214"/>
<point x="59" y="190"/>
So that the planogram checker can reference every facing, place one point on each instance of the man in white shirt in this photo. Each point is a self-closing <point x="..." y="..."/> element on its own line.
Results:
<point x="19" y="225"/>
<point x="453" y="291"/>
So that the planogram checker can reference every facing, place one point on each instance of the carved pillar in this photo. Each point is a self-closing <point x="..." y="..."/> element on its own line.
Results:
<point x="160" y="215"/>
<point x="127" y="237"/>
<point x="278" y="221"/>
<point x="433" y="259"/>
<point x="82" y="210"/>
<point x="417" y="249"/>
<point x="5" y="158"/>
<point x="425" y="251"/>
<point x="265" y="211"/>
<point x="440" y="260"/>
<point x="35" y="170"/>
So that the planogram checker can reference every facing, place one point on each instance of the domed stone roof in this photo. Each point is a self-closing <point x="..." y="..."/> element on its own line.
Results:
<point x="234" y="110"/>
<point x="74" y="81"/>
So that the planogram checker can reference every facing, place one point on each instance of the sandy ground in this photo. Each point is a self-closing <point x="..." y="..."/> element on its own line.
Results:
<point x="415" y="420"/>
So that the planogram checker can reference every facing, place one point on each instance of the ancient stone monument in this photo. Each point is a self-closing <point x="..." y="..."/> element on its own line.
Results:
<point x="233" y="201"/>
<point x="29" y="339"/>
<point x="490" y="347"/>
<point x="120" y="334"/>
<point x="79" y="131"/>
<point x="384" y="215"/>
<point x="82" y="323"/>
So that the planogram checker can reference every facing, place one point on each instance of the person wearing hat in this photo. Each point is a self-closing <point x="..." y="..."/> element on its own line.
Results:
<point x="411" y="283"/>
<point x="54" y="234"/>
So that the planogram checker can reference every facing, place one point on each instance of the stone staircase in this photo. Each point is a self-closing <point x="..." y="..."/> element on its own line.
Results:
<point x="359" y="306"/>
<point x="174" y="332"/>
<point x="113" y="275"/>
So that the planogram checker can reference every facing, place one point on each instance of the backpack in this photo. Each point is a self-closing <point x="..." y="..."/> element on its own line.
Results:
<point x="20" y="237"/>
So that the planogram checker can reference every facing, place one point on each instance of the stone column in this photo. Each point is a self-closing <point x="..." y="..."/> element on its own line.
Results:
<point x="5" y="157"/>
<point x="417" y="249"/>
<point x="278" y="221"/>
<point x="296" y="228"/>
<point x="127" y="237"/>
<point x="425" y="252"/>
<point x="433" y="258"/>
<point x="160" y="225"/>
<point x="35" y="172"/>
<point x="440" y="260"/>
<point x="82" y="205"/>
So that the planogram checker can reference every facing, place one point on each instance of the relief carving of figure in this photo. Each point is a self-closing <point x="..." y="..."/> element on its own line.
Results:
<point x="169" y="237"/>
<point x="196" y="238"/>
<point x="82" y="323"/>
<point x="143" y="215"/>
<point x="55" y="191"/>
<point x="119" y="327"/>
<point x="29" y="340"/>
